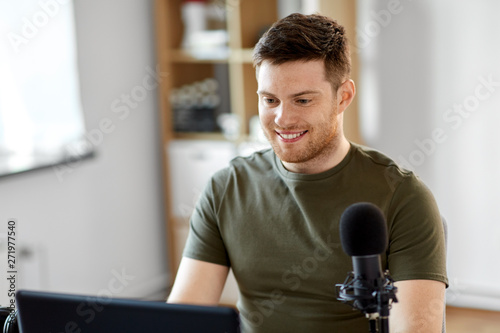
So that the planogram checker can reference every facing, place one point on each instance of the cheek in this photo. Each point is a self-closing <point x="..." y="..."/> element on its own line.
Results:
<point x="265" y="115"/>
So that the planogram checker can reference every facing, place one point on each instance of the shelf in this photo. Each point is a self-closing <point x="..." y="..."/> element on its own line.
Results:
<point x="219" y="55"/>
<point x="199" y="136"/>
<point x="230" y="65"/>
<point x="222" y="55"/>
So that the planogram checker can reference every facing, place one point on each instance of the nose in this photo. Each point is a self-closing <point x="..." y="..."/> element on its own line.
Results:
<point x="285" y="116"/>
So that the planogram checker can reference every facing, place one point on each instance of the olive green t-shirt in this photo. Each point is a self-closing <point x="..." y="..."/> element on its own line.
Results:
<point x="278" y="231"/>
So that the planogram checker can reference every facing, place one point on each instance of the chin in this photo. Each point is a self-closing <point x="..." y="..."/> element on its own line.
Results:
<point x="292" y="157"/>
<point x="312" y="151"/>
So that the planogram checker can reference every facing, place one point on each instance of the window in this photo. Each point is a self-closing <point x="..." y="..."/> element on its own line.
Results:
<point x="41" y="120"/>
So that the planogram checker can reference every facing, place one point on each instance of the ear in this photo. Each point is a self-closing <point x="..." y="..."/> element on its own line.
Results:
<point x="345" y="95"/>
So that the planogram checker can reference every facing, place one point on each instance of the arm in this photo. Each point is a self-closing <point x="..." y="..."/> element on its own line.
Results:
<point x="420" y="307"/>
<point x="198" y="282"/>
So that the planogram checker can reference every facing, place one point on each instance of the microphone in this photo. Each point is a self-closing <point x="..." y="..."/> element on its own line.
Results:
<point x="363" y="234"/>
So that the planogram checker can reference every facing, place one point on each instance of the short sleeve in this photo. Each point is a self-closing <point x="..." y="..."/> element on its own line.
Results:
<point x="204" y="241"/>
<point x="417" y="248"/>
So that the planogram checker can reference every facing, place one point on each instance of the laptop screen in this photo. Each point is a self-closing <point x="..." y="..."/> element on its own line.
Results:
<point x="64" y="313"/>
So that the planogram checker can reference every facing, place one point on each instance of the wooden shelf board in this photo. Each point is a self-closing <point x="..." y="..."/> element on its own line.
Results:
<point x="198" y="136"/>
<point x="226" y="56"/>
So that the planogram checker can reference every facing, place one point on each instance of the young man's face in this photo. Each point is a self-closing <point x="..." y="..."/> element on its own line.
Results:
<point x="298" y="110"/>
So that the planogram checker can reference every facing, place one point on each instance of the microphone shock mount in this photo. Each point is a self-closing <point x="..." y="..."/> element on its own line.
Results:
<point x="373" y="298"/>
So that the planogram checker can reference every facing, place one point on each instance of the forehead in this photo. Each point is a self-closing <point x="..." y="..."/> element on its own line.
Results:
<point x="301" y="75"/>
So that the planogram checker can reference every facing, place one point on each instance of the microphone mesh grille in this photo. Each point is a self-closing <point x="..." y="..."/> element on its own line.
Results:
<point x="363" y="230"/>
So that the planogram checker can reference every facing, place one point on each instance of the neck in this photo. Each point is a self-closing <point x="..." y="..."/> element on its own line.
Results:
<point x="323" y="162"/>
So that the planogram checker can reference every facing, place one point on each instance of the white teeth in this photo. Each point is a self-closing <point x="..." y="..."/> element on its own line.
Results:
<point x="291" y="136"/>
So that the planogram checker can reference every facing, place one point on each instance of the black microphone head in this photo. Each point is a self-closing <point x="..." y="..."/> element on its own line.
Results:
<point x="363" y="230"/>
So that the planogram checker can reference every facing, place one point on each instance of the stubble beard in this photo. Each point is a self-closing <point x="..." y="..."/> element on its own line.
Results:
<point x="324" y="143"/>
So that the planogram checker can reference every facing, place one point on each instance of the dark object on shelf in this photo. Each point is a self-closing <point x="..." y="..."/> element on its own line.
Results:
<point x="195" y="119"/>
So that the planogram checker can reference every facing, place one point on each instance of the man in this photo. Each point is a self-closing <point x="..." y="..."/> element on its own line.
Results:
<point x="273" y="217"/>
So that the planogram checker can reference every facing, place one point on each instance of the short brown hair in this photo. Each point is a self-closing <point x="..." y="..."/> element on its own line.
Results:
<point x="299" y="37"/>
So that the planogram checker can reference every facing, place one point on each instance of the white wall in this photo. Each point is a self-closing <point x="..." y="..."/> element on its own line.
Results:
<point x="424" y="101"/>
<point x="103" y="217"/>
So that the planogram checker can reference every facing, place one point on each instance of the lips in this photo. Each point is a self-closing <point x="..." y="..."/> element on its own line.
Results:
<point x="291" y="136"/>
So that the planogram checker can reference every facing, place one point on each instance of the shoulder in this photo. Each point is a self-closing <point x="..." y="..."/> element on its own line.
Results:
<point x="260" y="161"/>
<point x="379" y="164"/>
<point x="402" y="188"/>
<point x="409" y="198"/>
<point x="242" y="169"/>
<point x="263" y="159"/>
<point x="377" y="158"/>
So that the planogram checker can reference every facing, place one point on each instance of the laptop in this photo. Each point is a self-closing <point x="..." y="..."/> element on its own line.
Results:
<point x="44" y="312"/>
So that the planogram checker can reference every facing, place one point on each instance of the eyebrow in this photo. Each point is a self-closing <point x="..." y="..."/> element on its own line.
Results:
<point x="305" y="92"/>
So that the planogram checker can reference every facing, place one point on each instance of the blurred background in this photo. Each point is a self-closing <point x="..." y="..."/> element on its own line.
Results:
<point x="124" y="108"/>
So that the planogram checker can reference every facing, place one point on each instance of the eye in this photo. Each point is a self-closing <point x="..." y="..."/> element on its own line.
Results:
<point x="269" y="100"/>
<point x="303" y="101"/>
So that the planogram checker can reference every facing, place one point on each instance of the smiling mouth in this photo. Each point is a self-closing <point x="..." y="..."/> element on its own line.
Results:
<point x="291" y="136"/>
